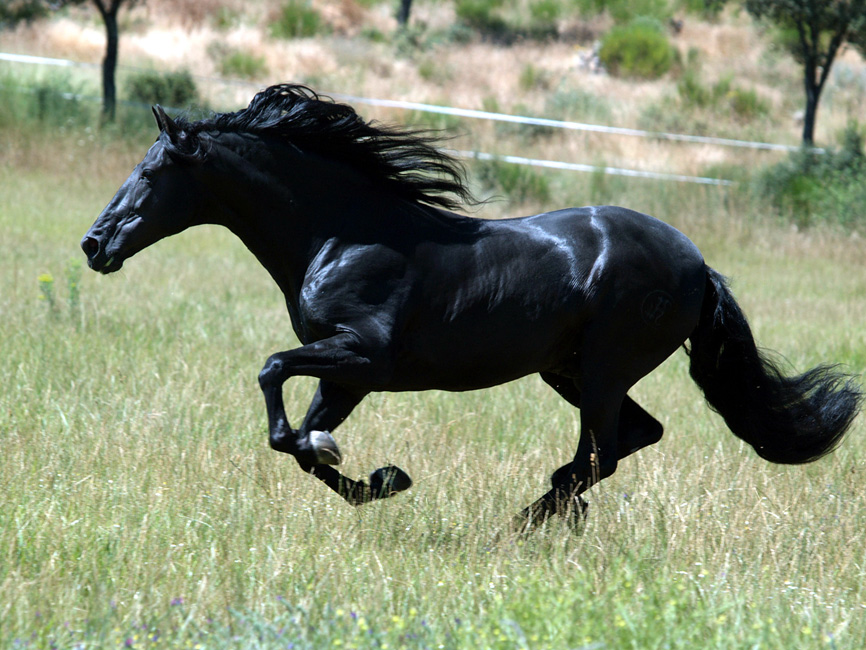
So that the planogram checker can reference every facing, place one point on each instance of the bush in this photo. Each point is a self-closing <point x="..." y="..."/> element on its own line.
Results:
<point x="746" y="103"/>
<point x="810" y="187"/>
<point x="573" y="103"/>
<point x="519" y="183"/>
<point x="237" y="63"/>
<point x="297" y="19"/>
<point x="53" y="101"/>
<point x="507" y="21"/>
<point x="637" y="49"/>
<point x="481" y="15"/>
<point x="174" y="89"/>
<point x="624" y="11"/>
<point x="723" y="95"/>
<point x="545" y="11"/>
<point x="692" y="92"/>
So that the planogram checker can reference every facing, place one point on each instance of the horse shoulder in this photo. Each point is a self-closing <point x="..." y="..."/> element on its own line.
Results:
<point x="351" y="286"/>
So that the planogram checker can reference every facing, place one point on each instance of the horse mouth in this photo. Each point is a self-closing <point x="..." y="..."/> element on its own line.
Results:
<point x="105" y="265"/>
<point x="111" y="265"/>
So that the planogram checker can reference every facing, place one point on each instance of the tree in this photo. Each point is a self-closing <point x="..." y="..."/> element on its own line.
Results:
<point x="108" y="9"/>
<point x="403" y="12"/>
<point x="814" y="31"/>
<point x="14" y="11"/>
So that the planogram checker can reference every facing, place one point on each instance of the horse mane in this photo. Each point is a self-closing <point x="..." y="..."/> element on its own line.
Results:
<point x="406" y="161"/>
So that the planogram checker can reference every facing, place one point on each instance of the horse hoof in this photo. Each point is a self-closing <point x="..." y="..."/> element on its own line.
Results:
<point x="325" y="448"/>
<point x="386" y="481"/>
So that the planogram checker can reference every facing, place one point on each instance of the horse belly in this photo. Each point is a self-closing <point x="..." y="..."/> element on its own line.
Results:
<point x="478" y="352"/>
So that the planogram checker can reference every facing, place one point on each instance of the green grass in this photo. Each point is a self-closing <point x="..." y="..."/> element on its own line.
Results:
<point x="143" y="508"/>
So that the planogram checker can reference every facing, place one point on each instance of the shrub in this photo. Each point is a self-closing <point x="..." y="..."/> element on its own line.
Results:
<point x="569" y="103"/>
<point x="624" y="11"/>
<point x="810" y="187"/>
<point x="723" y="95"/>
<point x="481" y="15"/>
<point x="51" y="101"/>
<point x="746" y="103"/>
<point x="297" y="19"/>
<point x="175" y="89"/>
<point x="706" y="9"/>
<point x="637" y="49"/>
<point x="236" y="63"/>
<point x="691" y="91"/>
<point x="532" y="78"/>
<point x="519" y="183"/>
<point x="545" y="11"/>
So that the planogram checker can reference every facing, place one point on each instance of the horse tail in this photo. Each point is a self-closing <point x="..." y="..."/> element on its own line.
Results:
<point x="788" y="420"/>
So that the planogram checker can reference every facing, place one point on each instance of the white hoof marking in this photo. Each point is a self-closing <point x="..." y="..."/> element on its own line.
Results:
<point x="327" y="451"/>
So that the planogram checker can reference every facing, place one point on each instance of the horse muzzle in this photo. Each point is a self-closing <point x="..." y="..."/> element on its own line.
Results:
<point x="98" y="257"/>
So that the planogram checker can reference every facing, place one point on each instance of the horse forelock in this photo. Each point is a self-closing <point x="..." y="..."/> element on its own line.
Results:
<point x="408" y="161"/>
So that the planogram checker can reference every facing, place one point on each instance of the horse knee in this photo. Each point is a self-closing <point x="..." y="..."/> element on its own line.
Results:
<point x="272" y="369"/>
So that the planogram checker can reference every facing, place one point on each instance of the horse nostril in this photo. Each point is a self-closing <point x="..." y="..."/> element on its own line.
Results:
<point x="90" y="246"/>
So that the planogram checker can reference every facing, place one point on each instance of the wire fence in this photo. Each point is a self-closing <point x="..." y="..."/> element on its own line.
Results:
<point x="494" y="117"/>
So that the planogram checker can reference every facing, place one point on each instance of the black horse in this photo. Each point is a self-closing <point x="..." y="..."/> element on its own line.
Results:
<point x="390" y="291"/>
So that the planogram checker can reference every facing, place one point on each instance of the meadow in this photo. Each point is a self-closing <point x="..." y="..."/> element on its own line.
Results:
<point x="142" y="507"/>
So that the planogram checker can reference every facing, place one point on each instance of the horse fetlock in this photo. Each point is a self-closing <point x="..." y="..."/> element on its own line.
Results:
<point x="283" y="442"/>
<point x="325" y="448"/>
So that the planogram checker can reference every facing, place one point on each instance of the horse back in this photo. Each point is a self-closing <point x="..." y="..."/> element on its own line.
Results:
<point x="518" y="297"/>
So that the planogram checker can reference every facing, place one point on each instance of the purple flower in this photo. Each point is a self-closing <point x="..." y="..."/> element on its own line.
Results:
<point x="176" y="601"/>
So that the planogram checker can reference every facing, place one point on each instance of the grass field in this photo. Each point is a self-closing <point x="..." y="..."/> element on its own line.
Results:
<point x="143" y="508"/>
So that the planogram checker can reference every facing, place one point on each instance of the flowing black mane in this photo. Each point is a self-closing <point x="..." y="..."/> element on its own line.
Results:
<point x="407" y="161"/>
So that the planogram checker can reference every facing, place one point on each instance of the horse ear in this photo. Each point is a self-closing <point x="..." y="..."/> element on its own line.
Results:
<point x="159" y="115"/>
<point x="165" y="123"/>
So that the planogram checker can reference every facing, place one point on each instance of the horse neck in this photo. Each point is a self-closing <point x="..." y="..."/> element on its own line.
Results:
<point x="263" y="199"/>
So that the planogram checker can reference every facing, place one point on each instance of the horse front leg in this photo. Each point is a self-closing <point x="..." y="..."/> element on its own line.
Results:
<point x="345" y="377"/>
<point x="331" y="405"/>
<point x="330" y="360"/>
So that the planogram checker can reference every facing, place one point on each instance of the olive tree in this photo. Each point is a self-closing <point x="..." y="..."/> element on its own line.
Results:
<point x="15" y="11"/>
<point x="814" y="31"/>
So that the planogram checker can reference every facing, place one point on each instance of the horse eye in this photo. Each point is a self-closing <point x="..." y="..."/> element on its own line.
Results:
<point x="147" y="174"/>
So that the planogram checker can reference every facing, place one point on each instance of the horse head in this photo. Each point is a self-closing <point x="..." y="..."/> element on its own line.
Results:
<point x="161" y="197"/>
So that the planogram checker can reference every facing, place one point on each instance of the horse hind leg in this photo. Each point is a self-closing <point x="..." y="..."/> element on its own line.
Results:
<point x="635" y="430"/>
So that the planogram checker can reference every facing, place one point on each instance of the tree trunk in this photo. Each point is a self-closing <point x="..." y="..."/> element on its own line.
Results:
<point x="403" y="12"/>
<point x="812" y="94"/>
<point x="109" y="63"/>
